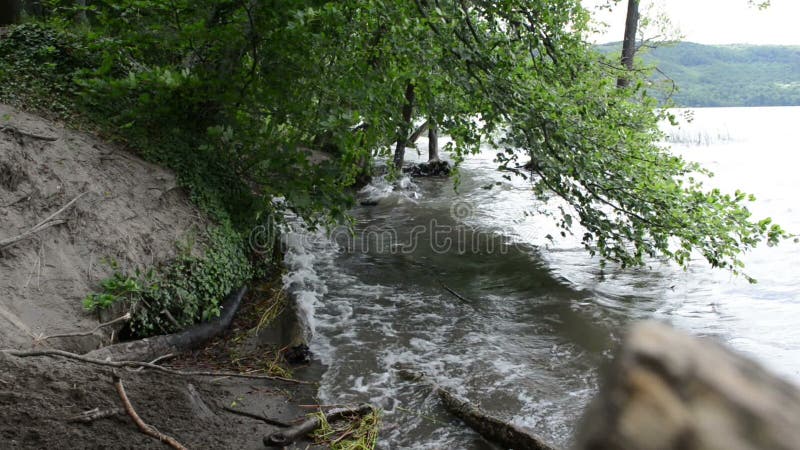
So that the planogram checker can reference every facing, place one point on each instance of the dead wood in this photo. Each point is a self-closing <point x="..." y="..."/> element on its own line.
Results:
<point x="124" y="318"/>
<point x="488" y="426"/>
<point x="149" y="348"/>
<point x="293" y="434"/>
<point x="134" y="364"/>
<point x="143" y="427"/>
<point x="266" y="420"/>
<point x="46" y="223"/>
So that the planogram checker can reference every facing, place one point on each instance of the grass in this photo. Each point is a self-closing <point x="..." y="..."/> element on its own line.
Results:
<point x="349" y="435"/>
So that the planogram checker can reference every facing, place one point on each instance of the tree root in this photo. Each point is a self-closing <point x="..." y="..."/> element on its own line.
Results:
<point x="44" y="224"/>
<point x="286" y="437"/>
<point x="123" y="364"/>
<point x="266" y="420"/>
<point x="143" y="427"/>
<point x="86" y="333"/>
<point x="149" y="348"/>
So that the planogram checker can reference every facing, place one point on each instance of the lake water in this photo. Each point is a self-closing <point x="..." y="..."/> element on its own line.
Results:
<point x="520" y="324"/>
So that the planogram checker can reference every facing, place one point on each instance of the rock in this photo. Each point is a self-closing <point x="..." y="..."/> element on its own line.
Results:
<point x="432" y="168"/>
<point x="667" y="390"/>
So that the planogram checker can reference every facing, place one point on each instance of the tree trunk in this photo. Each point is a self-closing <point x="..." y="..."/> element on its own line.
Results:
<point x="405" y="126"/>
<point x="433" y="143"/>
<point x="667" y="390"/>
<point x="9" y="12"/>
<point x="80" y="15"/>
<point x="629" y="42"/>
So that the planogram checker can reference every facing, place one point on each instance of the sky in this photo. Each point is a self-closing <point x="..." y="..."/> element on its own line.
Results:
<point x="715" y="21"/>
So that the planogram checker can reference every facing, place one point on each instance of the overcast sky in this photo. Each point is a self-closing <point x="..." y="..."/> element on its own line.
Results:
<point x="716" y="21"/>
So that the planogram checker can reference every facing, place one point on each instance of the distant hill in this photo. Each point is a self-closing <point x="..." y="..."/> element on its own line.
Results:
<point x="728" y="75"/>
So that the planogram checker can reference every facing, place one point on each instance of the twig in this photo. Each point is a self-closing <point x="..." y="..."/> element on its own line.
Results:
<point x="157" y="360"/>
<point x="14" y="130"/>
<point x="456" y="294"/>
<point x="46" y="223"/>
<point x="143" y="427"/>
<point x="267" y="420"/>
<point x="21" y="237"/>
<point x="124" y="318"/>
<point x="120" y="364"/>
<point x="63" y="208"/>
<point x="94" y="414"/>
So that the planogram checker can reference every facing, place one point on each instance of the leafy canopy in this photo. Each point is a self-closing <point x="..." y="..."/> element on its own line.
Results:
<point x="246" y="85"/>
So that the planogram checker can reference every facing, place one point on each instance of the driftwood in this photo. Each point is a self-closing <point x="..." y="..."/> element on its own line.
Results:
<point x="491" y="428"/>
<point x="150" y="348"/>
<point x="143" y="427"/>
<point x="667" y="390"/>
<point x="136" y="364"/>
<point x="44" y="224"/>
<point x="297" y="432"/>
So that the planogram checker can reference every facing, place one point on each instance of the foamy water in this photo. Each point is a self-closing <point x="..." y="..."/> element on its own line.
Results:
<point x="519" y="323"/>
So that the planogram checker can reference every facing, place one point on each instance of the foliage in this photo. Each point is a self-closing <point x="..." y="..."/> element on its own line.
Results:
<point x="229" y="92"/>
<point x="182" y="292"/>
<point x="350" y="435"/>
<point x="115" y="288"/>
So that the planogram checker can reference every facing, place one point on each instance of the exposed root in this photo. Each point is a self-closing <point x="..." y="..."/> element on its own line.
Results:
<point x="143" y="427"/>
<point x="122" y="364"/>
<point x="124" y="318"/>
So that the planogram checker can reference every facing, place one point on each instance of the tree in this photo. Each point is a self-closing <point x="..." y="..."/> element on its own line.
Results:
<point x="250" y="84"/>
<point x="9" y="11"/>
<point x="629" y="41"/>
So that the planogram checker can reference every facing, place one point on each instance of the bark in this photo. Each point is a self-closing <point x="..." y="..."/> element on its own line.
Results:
<point x="491" y="428"/>
<point x="418" y="132"/>
<point x="150" y="348"/>
<point x="402" y="135"/>
<point x="288" y="436"/>
<point x="433" y="144"/>
<point x="80" y="15"/>
<point x="9" y="12"/>
<point x="667" y="390"/>
<point x="629" y="41"/>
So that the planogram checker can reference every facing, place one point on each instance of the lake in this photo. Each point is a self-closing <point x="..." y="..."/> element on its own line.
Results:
<point x="467" y="288"/>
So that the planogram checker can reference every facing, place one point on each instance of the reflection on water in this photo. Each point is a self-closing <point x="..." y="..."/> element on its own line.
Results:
<point x="523" y="325"/>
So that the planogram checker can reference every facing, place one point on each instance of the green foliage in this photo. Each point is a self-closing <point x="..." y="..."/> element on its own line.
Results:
<point x="115" y="288"/>
<point x="181" y="292"/>
<point x="349" y="435"/>
<point x="229" y="93"/>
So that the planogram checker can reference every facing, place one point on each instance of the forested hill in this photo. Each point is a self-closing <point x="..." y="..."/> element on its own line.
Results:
<point x="729" y="75"/>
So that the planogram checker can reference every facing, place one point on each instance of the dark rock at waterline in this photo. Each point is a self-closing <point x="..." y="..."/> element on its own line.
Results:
<point x="299" y="354"/>
<point x="429" y="169"/>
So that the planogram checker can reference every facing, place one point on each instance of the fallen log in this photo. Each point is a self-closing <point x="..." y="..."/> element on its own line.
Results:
<point x="668" y="390"/>
<point x="297" y="432"/>
<point x="488" y="426"/>
<point x="151" y="348"/>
